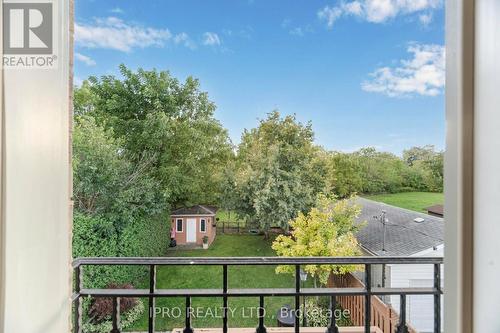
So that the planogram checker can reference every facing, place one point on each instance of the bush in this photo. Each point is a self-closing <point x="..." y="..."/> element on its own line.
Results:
<point x="126" y="318"/>
<point x="102" y="307"/>
<point x="318" y="314"/>
<point x="95" y="236"/>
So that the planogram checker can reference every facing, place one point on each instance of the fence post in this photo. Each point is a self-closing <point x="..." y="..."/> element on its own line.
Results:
<point x="402" y="328"/>
<point x="224" y="300"/>
<point x="152" y="301"/>
<point x="332" y="327"/>
<point x="368" y="286"/>
<point x="297" y="299"/>
<point x="78" y="305"/>
<point x="437" y="298"/>
<point x="188" y="328"/>
<point x="116" y="315"/>
<point x="261" y="328"/>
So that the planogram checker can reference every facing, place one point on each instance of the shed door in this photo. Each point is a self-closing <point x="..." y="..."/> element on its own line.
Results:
<point x="191" y="231"/>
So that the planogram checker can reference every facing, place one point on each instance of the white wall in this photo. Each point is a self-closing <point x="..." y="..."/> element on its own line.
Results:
<point x="487" y="168"/>
<point x="419" y="309"/>
<point x="35" y="245"/>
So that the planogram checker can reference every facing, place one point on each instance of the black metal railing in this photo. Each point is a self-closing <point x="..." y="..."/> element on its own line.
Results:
<point x="153" y="292"/>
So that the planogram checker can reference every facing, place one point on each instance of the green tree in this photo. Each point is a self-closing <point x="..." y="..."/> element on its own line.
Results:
<point x="327" y="230"/>
<point x="381" y="171"/>
<point x="228" y="197"/>
<point x="118" y="207"/>
<point x="276" y="175"/>
<point x="105" y="182"/>
<point x="414" y="154"/>
<point x="167" y="122"/>
<point x="345" y="173"/>
<point x="429" y="163"/>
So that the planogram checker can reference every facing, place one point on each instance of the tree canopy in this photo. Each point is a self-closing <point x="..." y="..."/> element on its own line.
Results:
<point x="326" y="230"/>
<point x="274" y="175"/>
<point x="142" y="143"/>
<point x="172" y="124"/>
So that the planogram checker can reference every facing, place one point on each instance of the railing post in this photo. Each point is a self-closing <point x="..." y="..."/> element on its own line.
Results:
<point x="188" y="328"/>
<point x="297" y="298"/>
<point x="402" y="328"/>
<point x="332" y="326"/>
<point x="152" y="301"/>
<point x="78" y="302"/>
<point x="437" y="298"/>
<point x="368" y="298"/>
<point x="261" y="328"/>
<point x="116" y="315"/>
<point x="224" y="299"/>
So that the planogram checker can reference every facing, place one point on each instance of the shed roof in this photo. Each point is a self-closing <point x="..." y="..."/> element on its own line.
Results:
<point x="194" y="210"/>
<point x="404" y="236"/>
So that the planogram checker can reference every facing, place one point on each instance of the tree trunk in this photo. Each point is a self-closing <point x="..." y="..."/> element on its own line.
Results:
<point x="266" y="234"/>
<point x="315" y="281"/>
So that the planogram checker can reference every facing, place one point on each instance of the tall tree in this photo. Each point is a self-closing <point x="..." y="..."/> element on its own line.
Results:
<point x="118" y="206"/>
<point x="105" y="181"/>
<point x="276" y="176"/>
<point x="345" y="172"/>
<point x="170" y="122"/>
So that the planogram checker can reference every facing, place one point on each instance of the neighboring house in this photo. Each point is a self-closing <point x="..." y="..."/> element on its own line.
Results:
<point x="191" y="224"/>
<point x="407" y="233"/>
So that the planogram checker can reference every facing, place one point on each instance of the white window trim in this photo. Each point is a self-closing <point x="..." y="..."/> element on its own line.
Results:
<point x="182" y="225"/>
<point x="459" y="166"/>
<point x="53" y="209"/>
<point x="206" y="221"/>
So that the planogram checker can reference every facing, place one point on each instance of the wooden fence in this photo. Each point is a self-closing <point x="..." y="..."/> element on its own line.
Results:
<point x="383" y="315"/>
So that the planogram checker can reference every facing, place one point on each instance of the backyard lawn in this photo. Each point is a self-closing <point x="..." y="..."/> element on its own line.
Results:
<point x="211" y="277"/>
<point x="416" y="201"/>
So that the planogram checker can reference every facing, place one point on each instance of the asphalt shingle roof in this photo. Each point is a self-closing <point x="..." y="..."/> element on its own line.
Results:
<point x="195" y="210"/>
<point x="404" y="236"/>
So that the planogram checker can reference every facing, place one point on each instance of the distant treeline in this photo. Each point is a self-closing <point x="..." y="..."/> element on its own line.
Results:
<point x="370" y="171"/>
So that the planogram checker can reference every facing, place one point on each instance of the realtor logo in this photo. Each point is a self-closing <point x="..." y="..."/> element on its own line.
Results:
<point x="27" y="28"/>
<point x="28" y="35"/>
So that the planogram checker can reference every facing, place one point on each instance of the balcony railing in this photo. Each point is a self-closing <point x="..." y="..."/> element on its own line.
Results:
<point x="225" y="293"/>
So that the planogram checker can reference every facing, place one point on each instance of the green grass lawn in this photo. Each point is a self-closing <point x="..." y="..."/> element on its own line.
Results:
<point x="211" y="277"/>
<point x="416" y="201"/>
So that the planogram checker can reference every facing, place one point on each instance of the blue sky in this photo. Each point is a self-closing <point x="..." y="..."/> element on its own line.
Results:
<point x="365" y="72"/>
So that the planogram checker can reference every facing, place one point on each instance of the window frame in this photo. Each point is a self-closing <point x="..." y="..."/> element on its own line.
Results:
<point x="177" y="225"/>
<point x="459" y="165"/>
<point x="206" y="221"/>
<point x="459" y="196"/>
